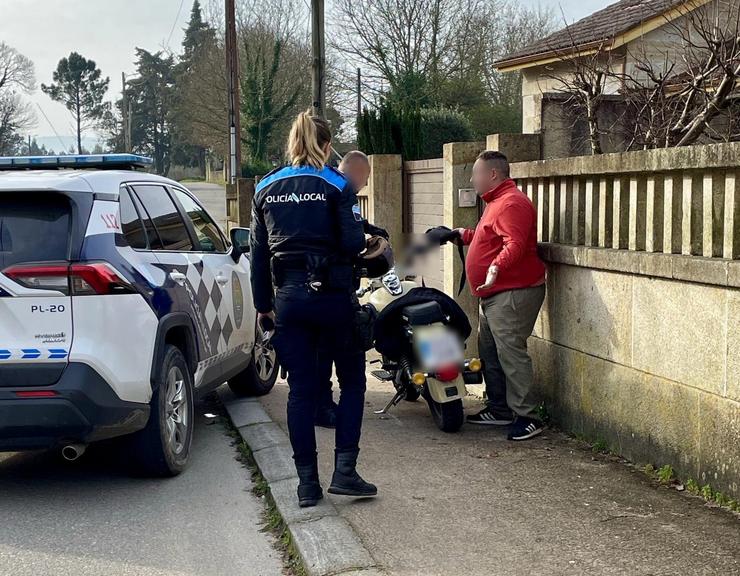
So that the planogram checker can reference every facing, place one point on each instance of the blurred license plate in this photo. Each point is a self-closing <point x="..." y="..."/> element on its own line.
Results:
<point x="440" y="348"/>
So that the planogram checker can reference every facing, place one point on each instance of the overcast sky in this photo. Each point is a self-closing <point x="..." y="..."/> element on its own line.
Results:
<point x="108" y="31"/>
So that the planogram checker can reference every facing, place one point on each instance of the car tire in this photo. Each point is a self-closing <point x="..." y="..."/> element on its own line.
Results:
<point x="162" y="448"/>
<point x="259" y="377"/>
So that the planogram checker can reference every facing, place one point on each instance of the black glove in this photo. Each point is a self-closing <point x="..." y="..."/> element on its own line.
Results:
<point x="441" y="235"/>
<point x="373" y="230"/>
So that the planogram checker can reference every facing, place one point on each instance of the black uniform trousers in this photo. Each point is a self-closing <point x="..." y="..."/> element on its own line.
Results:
<point x="308" y="324"/>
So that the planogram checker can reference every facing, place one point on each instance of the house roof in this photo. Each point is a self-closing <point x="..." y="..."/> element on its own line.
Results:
<point x="591" y="32"/>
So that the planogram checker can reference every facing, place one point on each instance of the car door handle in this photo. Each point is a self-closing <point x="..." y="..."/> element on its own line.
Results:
<point x="178" y="277"/>
<point x="222" y="280"/>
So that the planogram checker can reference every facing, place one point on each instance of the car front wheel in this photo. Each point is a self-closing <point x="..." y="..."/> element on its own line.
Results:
<point x="259" y="377"/>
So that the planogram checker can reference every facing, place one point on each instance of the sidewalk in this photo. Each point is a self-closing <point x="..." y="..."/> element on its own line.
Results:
<point x="473" y="503"/>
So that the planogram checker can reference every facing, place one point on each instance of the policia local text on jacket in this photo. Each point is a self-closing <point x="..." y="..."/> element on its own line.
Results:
<point x="306" y="231"/>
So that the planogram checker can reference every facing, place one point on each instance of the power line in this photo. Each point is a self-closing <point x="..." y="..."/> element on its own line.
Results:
<point x="172" y="30"/>
<point x="51" y="126"/>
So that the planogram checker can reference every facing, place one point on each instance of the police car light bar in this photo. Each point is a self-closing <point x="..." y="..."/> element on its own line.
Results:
<point x="100" y="161"/>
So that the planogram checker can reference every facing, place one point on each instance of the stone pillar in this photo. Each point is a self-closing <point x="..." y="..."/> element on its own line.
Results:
<point x="517" y="147"/>
<point x="244" y="197"/>
<point x="385" y="196"/>
<point x="459" y="158"/>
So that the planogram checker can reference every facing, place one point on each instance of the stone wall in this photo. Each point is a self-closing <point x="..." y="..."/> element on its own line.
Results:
<point x="638" y="343"/>
<point x="642" y="352"/>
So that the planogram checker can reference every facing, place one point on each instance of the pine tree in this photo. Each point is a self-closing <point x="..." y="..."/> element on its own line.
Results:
<point x="78" y="85"/>
<point x="198" y="34"/>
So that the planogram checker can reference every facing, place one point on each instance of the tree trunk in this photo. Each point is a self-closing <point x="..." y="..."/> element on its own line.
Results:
<point x="593" y="129"/>
<point x="711" y="110"/>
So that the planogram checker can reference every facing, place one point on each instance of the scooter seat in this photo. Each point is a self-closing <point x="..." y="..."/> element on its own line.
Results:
<point x="423" y="314"/>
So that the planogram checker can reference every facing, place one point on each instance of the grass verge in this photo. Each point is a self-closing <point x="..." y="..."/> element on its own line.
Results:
<point x="274" y="522"/>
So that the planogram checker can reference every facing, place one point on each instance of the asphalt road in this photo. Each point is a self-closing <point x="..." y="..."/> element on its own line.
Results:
<point x="92" y="517"/>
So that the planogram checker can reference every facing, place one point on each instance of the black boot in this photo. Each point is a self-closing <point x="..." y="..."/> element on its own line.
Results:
<point x="309" y="489"/>
<point x="346" y="481"/>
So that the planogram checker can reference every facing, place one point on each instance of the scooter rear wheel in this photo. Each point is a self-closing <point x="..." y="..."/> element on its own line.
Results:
<point x="448" y="417"/>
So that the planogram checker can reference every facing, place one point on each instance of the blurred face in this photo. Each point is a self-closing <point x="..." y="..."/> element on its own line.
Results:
<point x="358" y="173"/>
<point x="484" y="177"/>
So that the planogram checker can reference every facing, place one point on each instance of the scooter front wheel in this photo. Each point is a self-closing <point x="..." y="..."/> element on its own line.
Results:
<point x="411" y="394"/>
<point x="448" y="417"/>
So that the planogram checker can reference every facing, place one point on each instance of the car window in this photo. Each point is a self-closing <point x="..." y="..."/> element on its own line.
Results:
<point x="155" y="242"/>
<point x="34" y="227"/>
<point x="165" y="217"/>
<point x="131" y="224"/>
<point x="209" y="236"/>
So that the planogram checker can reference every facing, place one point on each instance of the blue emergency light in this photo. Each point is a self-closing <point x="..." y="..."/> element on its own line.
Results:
<point x="100" y="161"/>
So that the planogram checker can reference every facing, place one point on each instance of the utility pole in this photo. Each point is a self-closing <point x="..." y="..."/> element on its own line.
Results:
<point x="232" y="67"/>
<point x="359" y="93"/>
<point x="319" y="61"/>
<point x="125" y="115"/>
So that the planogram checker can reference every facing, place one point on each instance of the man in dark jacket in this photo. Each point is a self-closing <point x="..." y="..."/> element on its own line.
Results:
<point x="355" y="166"/>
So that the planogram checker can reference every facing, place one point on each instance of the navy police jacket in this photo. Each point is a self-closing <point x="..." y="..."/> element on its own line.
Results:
<point x="301" y="211"/>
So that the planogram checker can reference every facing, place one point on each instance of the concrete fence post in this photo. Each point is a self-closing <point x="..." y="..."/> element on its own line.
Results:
<point x="672" y="215"/>
<point x="732" y="216"/>
<point x="385" y="195"/>
<point x="692" y="207"/>
<point x="231" y="203"/>
<point x="459" y="158"/>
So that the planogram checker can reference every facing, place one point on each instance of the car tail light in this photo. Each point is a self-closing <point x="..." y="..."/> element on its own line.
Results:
<point x="73" y="279"/>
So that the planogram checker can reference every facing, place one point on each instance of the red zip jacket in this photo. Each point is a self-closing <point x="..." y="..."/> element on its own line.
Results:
<point x="507" y="237"/>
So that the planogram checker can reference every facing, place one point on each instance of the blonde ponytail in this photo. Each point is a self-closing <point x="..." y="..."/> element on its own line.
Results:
<point x="308" y="137"/>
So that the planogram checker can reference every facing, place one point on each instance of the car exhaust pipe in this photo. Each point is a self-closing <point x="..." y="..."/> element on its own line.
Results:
<point x="72" y="452"/>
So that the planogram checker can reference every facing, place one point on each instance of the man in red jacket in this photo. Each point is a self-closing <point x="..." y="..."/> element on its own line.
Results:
<point x="505" y="272"/>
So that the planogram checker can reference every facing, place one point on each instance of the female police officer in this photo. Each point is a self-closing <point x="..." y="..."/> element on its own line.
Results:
<point x="306" y="232"/>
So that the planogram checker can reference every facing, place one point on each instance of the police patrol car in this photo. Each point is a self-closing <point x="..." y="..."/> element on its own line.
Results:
<point x="121" y="301"/>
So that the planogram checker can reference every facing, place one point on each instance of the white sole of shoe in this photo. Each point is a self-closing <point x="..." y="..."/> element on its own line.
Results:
<point x="528" y="436"/>
<point x="490" y="422"/>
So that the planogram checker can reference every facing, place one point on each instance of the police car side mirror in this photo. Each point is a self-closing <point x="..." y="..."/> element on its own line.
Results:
<point x="239" y="242"/>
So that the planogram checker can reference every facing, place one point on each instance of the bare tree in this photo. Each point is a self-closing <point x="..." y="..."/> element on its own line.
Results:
<point x="16" y="70"/>
<point x="514" y="27"/>
<point x="16" y="77"/>
<point x="582" y="80"/>
<point x="690" y="91"/>
<point x="395" y="40"/>
<point x="15" y="116"/>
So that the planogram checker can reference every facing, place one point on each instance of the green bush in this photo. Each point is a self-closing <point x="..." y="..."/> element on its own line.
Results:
<point x="253" y="168"/>
<point x="415" y="134"/>
<point x="439" y="126"/>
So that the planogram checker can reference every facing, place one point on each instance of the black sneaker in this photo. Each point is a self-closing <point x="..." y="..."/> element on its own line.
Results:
<point x="525" y="428"/>
<point x="491" y="417"/>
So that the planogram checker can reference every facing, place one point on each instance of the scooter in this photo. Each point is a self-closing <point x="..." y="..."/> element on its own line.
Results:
<point x="420" y="333"/>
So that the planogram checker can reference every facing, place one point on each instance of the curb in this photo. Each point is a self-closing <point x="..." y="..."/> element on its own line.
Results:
<point x="326" y="542"/>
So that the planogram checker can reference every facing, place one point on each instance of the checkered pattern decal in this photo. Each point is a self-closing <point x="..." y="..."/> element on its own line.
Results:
<point x="210" y="302"/>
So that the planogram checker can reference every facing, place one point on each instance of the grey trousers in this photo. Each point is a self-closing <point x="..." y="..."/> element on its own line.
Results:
<point x="506" y="321"/>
